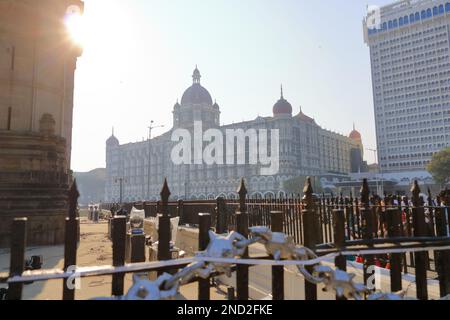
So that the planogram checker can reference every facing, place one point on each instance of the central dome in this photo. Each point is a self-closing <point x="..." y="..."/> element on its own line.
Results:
<point x="282" y="106"/>
<point x="196" y="94"/>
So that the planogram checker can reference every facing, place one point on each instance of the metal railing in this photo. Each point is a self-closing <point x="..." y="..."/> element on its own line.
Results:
<point x="324" y="226"/>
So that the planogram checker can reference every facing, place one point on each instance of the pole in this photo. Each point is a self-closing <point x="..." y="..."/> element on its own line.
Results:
<point x="149" y="166"/>
<point x="149" y="153"/>
<point x="120" y="186"/>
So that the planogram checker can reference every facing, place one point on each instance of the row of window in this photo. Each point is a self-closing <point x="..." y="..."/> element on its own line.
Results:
<point x="412" y="103"/>
<point x="415" y="117"/>
<point x="421" y="78"/>
<point x="406" y="35"/>
<point x="417" y="86"/>
<point x="409" y="77"/>
<point x="417" y="90"/>
<point x="410" y="156"/>
<point x="414" y="95"/>
<point x="409" y="54"/>
<point x="406" y="164"/>
<point x="412" y="18"/>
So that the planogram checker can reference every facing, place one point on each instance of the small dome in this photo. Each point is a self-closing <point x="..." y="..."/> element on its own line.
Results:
<point x="215" y="105"/>
<point x="355" y="135"/>
<point x="112" y="140"/>
<point x="282" y="106"/>
<point x="304" y="117"/>
<point x="177" y="105"/>
<point x="196" y="94"/>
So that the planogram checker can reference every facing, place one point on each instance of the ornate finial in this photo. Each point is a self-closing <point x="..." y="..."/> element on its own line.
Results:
<point x="308" y="190"/>
<point x="113" y="131"/>
<point x="354" y="128"/>
<point x="415" y="190"/>
<point x="73" y="192"/>
<point x="165" y="192"/>
<point x="365" y="192"/>
<point x="242" y="191"/>
<point x="282" y="91"/>
<point x="308" y="194"/>
<point x="73" y="200"/>
<point x="196" y="75"/>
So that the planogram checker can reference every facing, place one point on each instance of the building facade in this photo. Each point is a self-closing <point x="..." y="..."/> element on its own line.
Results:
<point x="304" y="149"/>
<point x="37" y="65"/>
<point x="409" y="53"/>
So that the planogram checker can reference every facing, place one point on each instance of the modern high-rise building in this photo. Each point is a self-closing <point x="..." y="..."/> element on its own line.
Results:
<point x="409" y="53"/>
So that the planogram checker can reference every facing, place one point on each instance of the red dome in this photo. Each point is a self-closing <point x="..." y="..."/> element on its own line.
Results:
<point x="282" y="106"/>
<point x="355" y="135"/>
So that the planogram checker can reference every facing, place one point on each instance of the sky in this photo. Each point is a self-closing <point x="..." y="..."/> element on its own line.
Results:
<point x="139" y="56"/>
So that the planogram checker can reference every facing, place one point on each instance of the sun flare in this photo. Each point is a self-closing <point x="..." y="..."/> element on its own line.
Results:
<point x="76" y="28"/>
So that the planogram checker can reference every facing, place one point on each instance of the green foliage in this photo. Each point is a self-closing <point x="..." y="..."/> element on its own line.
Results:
<point x="296" y="185"/>
<point x="439" y="167"/>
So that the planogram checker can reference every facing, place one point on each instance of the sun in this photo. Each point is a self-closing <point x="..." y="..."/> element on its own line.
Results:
<point x="75" y="24"/>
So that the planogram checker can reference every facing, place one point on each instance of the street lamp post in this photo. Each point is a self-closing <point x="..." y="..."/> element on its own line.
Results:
<point x="121" y="180"/>
<point x="150" y="128"/>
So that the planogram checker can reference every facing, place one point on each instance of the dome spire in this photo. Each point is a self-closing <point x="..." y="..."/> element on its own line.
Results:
<point x="196" y="75"/>
<point x="282" y="107"/>
<point x="112" y="131"/>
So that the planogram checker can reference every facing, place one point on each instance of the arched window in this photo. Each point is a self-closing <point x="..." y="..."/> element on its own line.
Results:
<point x="417" y="16"/>
<point x="395" y="23"/>
<point x="390" y="24"/>
<point x="400" y="22"/>
<point x="411" y="18"/>
<point x="384" y="25"/>
<point x="447" y="7"/>
<point x="429" y="14"/>
<point x="406" y="20"/>
<point x="423" y="15"/>
<point x="441" y="9"/>
<point x="435" y="11"/>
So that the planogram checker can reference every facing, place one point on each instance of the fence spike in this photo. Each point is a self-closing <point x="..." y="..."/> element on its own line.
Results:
<point x="73" y="192"/>
<point x="242" y="190"/>
<point x="308" y="190"/>
<point x="165" y="191"/>
<point x="365" y="192"/>
<point x="415" y="191"/>
<point x="73" y="200"/>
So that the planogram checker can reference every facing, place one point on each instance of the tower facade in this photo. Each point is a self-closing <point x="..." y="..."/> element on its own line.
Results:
<point x="409" y="53"/>
<point x="37" y="66"/>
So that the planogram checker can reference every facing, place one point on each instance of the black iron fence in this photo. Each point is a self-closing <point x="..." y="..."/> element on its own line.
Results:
<point x="325" y="225"/>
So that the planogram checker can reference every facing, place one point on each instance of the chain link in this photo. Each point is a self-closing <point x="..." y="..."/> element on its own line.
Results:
<point x="233" y="246"/>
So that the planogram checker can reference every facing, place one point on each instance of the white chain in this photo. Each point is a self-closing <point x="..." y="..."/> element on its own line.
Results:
<point x="224" y="251"/>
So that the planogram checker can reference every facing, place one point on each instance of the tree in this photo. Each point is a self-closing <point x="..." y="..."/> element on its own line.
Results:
<point x="439" y="167"/>
<point x="295" y="185"/>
